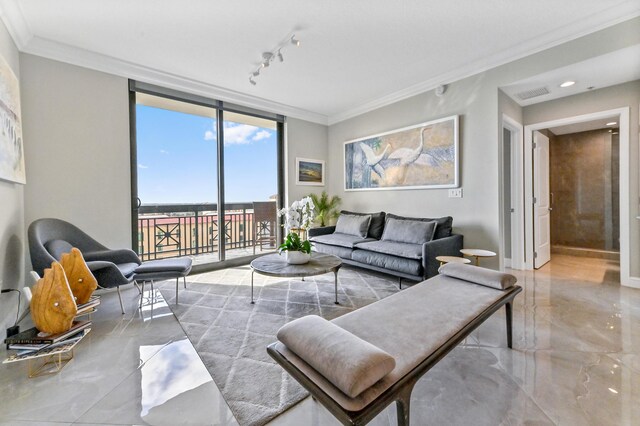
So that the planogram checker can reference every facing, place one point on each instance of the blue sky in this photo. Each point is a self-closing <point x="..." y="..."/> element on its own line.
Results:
<point x="177" y="159"/>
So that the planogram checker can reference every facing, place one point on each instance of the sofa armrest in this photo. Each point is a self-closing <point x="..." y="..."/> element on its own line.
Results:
<point x="114" y="256"/>
<point x="448" y="246"/>
<point x="323" y="230"/>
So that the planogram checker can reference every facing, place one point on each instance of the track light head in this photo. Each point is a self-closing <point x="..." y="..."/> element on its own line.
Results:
<point x="295" y="41"/>
<point x="256" y="72"/>
<point x="267" y="58"/>
<point x="280" y="57"/>
<point x="252" y="81"/>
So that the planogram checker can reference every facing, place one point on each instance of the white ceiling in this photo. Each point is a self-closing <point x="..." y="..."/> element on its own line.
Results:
<point x="612" y="68"/>
<point x="586" y="126"/>
<point x="355" y="55"/>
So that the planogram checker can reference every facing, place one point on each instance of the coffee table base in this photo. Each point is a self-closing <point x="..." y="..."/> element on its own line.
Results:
<point x="335" y="283"/>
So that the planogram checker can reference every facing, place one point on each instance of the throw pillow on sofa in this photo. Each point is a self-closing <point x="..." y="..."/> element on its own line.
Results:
<point x="353" y="225"/>
<point x="443" y="229"/>
<point x="376" y="226"/>
<point x="408" y="231"/>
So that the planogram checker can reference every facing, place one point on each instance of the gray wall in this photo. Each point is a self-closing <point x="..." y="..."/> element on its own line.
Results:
<point x="78" y="166"/>
<point x="476" y="99"/>
<point x="306" y="140"/>
<point x="622" y="95"/>
<point x="12" y="233"/>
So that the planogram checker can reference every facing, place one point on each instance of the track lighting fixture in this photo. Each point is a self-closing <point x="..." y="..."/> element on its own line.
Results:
<point x="268" y="57"/>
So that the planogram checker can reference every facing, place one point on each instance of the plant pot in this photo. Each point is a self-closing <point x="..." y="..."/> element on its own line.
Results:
<point x="297" y="257"/>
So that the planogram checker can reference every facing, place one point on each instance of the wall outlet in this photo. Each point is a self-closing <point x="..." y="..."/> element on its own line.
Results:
<point x="455" y="193"/>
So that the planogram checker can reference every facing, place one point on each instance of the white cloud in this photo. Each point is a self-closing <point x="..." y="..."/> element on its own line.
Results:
<point x="238" y="134"/>
<point x="262" y="134"/>
<point x="142" y="166"/>
<point x="164" y="151"/>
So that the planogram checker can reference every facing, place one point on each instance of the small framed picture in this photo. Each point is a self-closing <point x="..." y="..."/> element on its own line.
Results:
<point x="309" y="172"/>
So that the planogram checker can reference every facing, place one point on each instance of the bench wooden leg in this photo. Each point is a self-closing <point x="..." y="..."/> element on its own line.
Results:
<point x="403" y="406"/>
<point x="509" y="315"/>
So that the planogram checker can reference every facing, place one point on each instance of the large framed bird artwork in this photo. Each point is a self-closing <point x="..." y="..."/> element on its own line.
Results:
<point x="421" y="156"/>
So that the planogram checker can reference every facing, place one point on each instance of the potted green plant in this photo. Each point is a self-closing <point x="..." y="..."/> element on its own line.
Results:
<point x="325" y="207"/>
<point x="298" y="218"/>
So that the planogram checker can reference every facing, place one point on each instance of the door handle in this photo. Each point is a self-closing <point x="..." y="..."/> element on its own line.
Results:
<point x="550" y="208"/>
<point x="138" y="203"/>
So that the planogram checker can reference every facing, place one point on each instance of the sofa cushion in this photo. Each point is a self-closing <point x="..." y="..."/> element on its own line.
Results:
<point x="353" y="225"/>
<point x="377" y="223"/>
<point x="341" y="252"/>
<point x="411" y="251"/>
<point x="387" y="261"/>
<point x="408" y="231"/>
<point x="444" y="226"/>
<point x="339" y="239"/>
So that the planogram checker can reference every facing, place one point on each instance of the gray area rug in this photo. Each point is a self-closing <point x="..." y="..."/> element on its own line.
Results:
<point x="231" y="335"/>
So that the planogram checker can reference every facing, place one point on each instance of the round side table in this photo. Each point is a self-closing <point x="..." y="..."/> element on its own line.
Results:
<point x="477" y="254"/>
<point x="451" y="259"/>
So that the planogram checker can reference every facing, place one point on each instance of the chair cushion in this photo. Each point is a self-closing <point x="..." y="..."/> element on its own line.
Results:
<point x="411" y="251"/>
<point x="179" y="265"/>
<point x="353" y="225"/>
<point x="57" y="248"/>
<point x="443" y="229"/>
<point x="350" y="363"/>
<point x="339" y="239"/>
<point x="127" y="269"/>
<point x="408" y="231"/>
<point x="377" y="223"/>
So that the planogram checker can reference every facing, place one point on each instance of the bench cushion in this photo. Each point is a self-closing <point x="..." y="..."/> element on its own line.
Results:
<point x="339" y="239"/>
<point x="411" y="251"/>
<point x="436" y="310"/>
<point x="478" y="275"/>
<point x="349" y="362"/>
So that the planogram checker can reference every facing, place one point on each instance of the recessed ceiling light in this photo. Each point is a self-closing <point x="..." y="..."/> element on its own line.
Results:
<point x="568" y="83"/>
<point x="612" y="123"/>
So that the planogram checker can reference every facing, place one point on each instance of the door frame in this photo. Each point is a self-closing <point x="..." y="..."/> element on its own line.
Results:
<point x="625" y="164"/>
<point x="517" y="199"/>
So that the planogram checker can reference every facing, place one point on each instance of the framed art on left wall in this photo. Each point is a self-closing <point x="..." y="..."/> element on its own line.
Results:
<point x="11" y="149"/>
<point x="309" y="172"/>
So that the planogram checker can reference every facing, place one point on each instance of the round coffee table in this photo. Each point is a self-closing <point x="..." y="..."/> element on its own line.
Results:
<point x="451" y="259"/>
<point x="477" y="254"/>
<point x="274" y="265"/>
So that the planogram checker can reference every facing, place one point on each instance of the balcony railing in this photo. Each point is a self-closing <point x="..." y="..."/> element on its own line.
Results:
<point x="171" y="230"/>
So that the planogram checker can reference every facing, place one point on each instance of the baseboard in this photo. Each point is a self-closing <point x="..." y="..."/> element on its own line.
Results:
<point x="632" y="282"/>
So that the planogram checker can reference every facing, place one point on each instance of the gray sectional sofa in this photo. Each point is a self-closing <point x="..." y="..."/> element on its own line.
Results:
<point x="405" y="247"/>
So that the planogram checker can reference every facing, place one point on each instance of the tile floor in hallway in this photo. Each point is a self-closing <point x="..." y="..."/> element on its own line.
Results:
<point x="576" y="360"/>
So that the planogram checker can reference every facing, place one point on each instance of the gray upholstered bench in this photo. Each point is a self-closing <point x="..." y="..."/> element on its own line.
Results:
<point x="163" y="269"/>
<point x="359" y="363"/>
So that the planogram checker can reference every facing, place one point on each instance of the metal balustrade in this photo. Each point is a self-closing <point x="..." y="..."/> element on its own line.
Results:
<point x="171" y="230"/>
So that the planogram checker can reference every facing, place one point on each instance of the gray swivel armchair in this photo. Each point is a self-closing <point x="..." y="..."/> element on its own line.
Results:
<point x="50" y="238"/>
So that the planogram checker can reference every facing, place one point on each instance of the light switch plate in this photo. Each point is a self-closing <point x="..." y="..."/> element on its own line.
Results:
<point x="455" y="193"/>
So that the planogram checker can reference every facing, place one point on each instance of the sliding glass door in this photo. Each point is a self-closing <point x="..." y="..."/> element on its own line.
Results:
<point x="199" y="188"/>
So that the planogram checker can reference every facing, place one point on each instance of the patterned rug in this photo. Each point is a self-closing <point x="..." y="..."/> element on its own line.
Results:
<point x="231" y="335"/>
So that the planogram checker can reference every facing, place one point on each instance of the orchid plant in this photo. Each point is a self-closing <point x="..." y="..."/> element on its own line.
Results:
<point x="299" y="216"/>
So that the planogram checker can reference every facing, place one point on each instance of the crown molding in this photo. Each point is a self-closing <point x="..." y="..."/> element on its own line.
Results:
<point x="13" y="19"/>
<point x="596" y="22"/>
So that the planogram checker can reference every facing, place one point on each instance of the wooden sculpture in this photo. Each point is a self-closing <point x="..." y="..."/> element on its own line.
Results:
<point x="80" y="279"/>
<point x="52" y="304"/>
